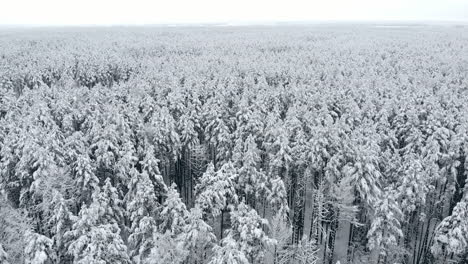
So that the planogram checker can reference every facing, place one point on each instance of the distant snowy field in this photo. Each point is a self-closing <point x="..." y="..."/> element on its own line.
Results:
<point x="234" y="144"/>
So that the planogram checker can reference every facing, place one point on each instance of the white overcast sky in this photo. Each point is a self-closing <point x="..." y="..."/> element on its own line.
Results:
<point x="109" y="12"/>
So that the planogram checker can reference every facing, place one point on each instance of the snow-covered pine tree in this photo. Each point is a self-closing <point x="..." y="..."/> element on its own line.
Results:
<point x="197" y="236"/>
<point x="80" y="166"/>
<point x="188" y="126"/>
<point x="412" y="187"/>
<point x="451" y="235"/>
<point x="174" y="213"/>
<point x="246" y="239"/>
<point x="14" y="227"/>
<point x="61" y="221"/>
<point x="363" y="172"/>
<point x="228" y="252"/>
<point x="38" y="249"/>
<point x="161" y="130"/>
<point x="385" y="230"/>
<point x="85" y="180"/>
<point x="150" y="165"/>
<point x="249" y="118"/>
<point x="252" y="182"/>
<point x="95" y="237"/>
<point x="142" y="207"/>
<point x="168" y="246"/>
<point x="218" y="133"/>
<point x="104" y="141"/>
<point x="281" y="231"/>
<point x="216" y="190"/>
<point x="276" y="195"/>
<point x="167" y="250"/>
<point x="278" y="147"/>
<point x="3" y="255"/>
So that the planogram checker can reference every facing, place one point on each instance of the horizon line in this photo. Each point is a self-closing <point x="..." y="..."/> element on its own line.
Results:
<point x="246" y="23"/>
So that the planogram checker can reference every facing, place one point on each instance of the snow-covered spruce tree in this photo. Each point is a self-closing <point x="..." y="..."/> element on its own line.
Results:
<point x="174" y="213"/>
<point x="142" y="208"/>
<point x="245" y="241"/>
<point x="104" y="142"/>
<point x="167" y="250"/>
<point x="451" y="235"/>
<point x="82" y="168"/>
<point x="60" y="221"/>
<point x="126" y="161"/>
<point x="162" y="131"/>
<point x="385" y="229"/>
<point x="217" y="194"/>
<point x="362" y="172"/>
<point x="3" y="255"/>
<point x="276" y="195"/>
<point x="218" y="133"/>
<point x="14" y="225"/>
<point x="278" y="147"/>
<point x="168" y="246"/>
<point x="95" y="237"/>
<point x="32" y="156"/>
<point x="197" y="236"/>
<point x="229" y="252"/>
<point x="38" y="249"/>
<point x="150" y="165"/>
<point x="252" y="181"/>
<point x="189" y="126"/>
<point x="216" y="190"/>
<point x="249" y="118"/>
<point x="412" y="186"/>
<point x="281" y="231"/>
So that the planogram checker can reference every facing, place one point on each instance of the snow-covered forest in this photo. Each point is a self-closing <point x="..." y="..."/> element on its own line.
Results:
<point x="285" y="145"/>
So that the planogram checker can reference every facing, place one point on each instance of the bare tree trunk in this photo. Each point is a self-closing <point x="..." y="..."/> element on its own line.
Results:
<point x="342" y="242"/>
<point x="308" y="205"/>
<point x="221" y="226"/>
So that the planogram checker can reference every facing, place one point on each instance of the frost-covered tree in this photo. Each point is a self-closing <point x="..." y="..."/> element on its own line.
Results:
<point x="279" y="147"/>
<point x="150" y="165"/>
<point x="168" y="244"/>
<point x="167" y="249"/>
<point x="218" y="132"/>
<point x="14" y="227"/>
<point x="38" y="249"/>
<point x="216" y="189"/>
<point x="3" y="255"/>
<point x="413" y="188"/>
<point x="281" y="231"/>
<point x="162" y="131"/>
<point x="101" y="244"/>
<point x="451" y="235"/>
<point x="142" y="212"/>
<point x="245" y="240"/>
<point x="385" y="229"/>
<point x="229" y="252"/>
<point x="304" y="252"/>
<point x="277" y="195"/>
<point x="363" y="172"/>
<point x="85" y="180"/>
<point x="96" y="234"/>
<point x="174" y="213"/>
<point x="189" y="127"/>
<point x="61" y="221"/>
<point x="198" y="236"/>
<point x="251" y="180"/>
